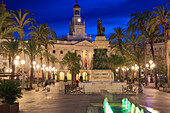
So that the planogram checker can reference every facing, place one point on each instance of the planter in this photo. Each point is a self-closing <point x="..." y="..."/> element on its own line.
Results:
<point x="9" y="108"/>
<point x="164" y="89"/>
<point x="36" y="89"/>
<point x="160" y="88"/>
<point x="48" y="89"/>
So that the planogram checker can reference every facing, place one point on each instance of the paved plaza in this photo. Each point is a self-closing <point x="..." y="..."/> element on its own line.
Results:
<point x="56" y="101"/>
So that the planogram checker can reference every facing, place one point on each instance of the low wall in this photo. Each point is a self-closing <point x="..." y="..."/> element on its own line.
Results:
<point x="96" y="87"/>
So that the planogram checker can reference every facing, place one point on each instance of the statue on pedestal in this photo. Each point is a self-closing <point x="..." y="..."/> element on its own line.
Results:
<point x="100" y="29"/>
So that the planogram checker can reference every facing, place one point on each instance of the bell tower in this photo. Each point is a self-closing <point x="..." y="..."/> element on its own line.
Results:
<point x="77" y="27"/>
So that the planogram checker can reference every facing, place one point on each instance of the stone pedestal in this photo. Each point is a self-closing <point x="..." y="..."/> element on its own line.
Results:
<point x="102" y="80"/>
<point x="101" y="75"/>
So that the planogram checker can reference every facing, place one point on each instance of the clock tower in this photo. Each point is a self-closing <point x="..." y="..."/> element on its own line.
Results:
<point x="77" y="27"/>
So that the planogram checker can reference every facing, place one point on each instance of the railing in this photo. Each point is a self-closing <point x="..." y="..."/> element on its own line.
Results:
<point x="132" y="89"/>
<point x="73" y="89"/>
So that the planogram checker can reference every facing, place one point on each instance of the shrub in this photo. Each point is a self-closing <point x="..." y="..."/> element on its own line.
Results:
<point x="10" y="91"/>
<point x="81" y="78"/>
<point x="65" y="79"/>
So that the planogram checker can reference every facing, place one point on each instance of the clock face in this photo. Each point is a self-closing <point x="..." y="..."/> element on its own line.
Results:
<point x="79" y="20"/>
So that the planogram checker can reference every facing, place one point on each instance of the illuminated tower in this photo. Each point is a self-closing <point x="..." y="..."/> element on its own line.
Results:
<point x="77" y="27"/>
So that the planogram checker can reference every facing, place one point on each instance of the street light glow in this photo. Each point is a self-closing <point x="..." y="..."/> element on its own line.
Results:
<point x="147" y="65"/>
<point x="47" y="68"/>
<point x="150" y="61"/>
<point x="16" y="62"/>
<point x="37" y="66"/>
<point x="17" y="57"/>
<point x="22" y="61"/>
<point x="34" y="62"/>
<point x="7" y="70"/>
<point x="43" y="65"/>
<point x="153" y="65"/>
<point x="133" y="67"/>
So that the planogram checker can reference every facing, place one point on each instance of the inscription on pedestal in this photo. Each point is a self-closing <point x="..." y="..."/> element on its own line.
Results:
<point x="101" y="75"/>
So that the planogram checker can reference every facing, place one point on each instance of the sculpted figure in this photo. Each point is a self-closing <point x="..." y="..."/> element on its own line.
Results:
<point x="100" y="29"/>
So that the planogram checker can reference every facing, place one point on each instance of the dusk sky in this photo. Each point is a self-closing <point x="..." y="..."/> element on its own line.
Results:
<point x="58" y="13"/>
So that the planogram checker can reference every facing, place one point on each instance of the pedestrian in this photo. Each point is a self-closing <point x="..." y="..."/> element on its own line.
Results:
<point x="46" y="83"/>
<point x="49" y="82"/>
<point x="53" y="82"/>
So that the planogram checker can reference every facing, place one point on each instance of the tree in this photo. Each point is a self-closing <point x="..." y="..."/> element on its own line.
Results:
<point x="117" y="39"/>
<point x="11" y="46"/>
<point x="136" y="57"/>
<point x="6" y="24"/>
<point x="153" y="34"/>
<point x="38" y="32"/>
<point x="47" y="40"/>
<point x="72" y="60"/>
<point x="161" y="18"/>
<point x="132" y="39"/>
<point x="6" y="28"/>
<point x="138" y="23"/>
<point x="53" y="60"/>
<point x="116" y="61"/>
<point x="31" y="50"/>
<point x="21" y="20"/>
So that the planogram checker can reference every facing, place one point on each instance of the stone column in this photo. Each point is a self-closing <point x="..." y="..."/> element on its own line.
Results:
<point x="81" y="54"/>
<point x="88" y="59"/>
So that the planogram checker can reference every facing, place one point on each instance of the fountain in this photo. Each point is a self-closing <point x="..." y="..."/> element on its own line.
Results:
<point x="106" y="106"/>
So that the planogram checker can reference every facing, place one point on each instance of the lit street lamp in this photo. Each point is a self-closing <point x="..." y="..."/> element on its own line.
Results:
<point x="150" y="66"/>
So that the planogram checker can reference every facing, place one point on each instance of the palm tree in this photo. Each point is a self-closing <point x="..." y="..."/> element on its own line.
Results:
<point x="12" y="47"/>
<point x="138" y="23"/>
<point x="161" y="18"/>
<point x="153" y="34"/>
<point x="116" y="61"/>
<point x="6" y="24"/>
<point x="53" y="60"/>
<point x="73" y="62"/>
<point x="21" y="20"/>
<point x="47" y="40"/>
<point x="132" y="38"/>
<point x="38" y="32"/>
<point x="6" y="28"/>
<point x="117" y="39"/>
<point x="136" y="57"/>
<point x="31" y="50"/>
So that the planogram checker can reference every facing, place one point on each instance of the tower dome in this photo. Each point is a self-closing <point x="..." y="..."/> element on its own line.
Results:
<point x="76" y="6"/>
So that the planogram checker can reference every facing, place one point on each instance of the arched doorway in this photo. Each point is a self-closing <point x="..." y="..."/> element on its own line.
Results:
<point x="68" y="76"/>
<point x="84" y="76"/>
<point x="61" y="75"/>
<point x="77" y="76"/>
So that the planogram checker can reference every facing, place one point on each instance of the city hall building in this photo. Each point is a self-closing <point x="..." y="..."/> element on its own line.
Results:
<point x="77" y="41"/>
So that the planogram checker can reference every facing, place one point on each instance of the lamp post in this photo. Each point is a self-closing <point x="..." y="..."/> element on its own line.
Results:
<point x="17" y="63"/>
<point x="150" y="66"/>
<point x="134" y="68"/>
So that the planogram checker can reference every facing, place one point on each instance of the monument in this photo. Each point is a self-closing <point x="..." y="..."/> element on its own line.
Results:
<point x="101" y="78"/>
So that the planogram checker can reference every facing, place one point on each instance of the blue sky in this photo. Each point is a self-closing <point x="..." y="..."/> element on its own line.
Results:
<point x="58" y="13"/>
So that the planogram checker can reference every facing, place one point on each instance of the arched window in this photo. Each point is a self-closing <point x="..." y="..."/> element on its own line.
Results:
<point x="77" y="12"/>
